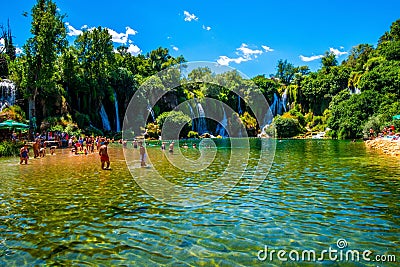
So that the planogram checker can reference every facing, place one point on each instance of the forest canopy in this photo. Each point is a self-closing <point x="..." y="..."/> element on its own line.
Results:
<point x="66" y="86"/>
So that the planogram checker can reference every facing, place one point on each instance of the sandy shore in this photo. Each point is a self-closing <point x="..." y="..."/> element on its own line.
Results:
<point x="385" y="145"/>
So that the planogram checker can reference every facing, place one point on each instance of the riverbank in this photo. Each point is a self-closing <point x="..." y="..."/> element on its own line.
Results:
<point x="385" y="145"/>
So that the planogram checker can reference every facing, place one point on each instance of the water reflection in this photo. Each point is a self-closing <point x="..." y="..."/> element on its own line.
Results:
<point x="64" y="210"/>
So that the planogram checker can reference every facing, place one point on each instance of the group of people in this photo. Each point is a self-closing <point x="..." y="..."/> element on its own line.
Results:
<point x="88" y="145"/>
<point x="387" y="131"/>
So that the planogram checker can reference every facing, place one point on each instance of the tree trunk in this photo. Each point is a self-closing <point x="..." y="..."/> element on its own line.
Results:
<point x="32" y="111"/>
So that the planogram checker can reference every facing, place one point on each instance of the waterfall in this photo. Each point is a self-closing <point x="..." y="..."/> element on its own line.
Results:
<point x="275" y="107"/>
<point x="192" y="116"/>
<point x="202" y="124"/>
<point x="284" y="100"/>
<point x="221" y="127"/>
<point x="355" y="91"/>
<point x="104" y="119"/>
<point x="7" y="94"/>
<point x="118" y="125"/>
<point x="150" y="109"/>
<point x="240" y="111"/>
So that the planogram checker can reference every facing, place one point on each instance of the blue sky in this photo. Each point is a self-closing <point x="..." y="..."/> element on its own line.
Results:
<point x="250" y="36"/>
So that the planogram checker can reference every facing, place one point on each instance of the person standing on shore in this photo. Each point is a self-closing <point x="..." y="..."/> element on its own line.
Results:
<point x="104" y="158"/>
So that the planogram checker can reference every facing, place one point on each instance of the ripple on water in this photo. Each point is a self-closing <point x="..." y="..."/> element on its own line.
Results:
<point x="68" y="212"/>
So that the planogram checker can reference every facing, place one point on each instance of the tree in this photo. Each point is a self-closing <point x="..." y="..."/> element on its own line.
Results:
<point x="328" y="61"/>
<point x="96" y="62"/>
<point x="285" y="71"/>
<point x="42" y="51"/>
<point x="172" y="121"/>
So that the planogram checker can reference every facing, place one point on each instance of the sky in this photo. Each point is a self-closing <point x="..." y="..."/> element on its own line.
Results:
<point x="250" y="36"/>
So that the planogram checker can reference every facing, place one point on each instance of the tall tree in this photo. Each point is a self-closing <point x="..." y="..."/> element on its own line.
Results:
<point x="96" y="60"/>
<point x="42" y="51"/>
<point x="8" y="51"/>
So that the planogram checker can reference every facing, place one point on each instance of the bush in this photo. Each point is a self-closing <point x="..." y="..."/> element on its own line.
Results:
<point x="193" y="134"/>
<point x="176" y="120"/>
<point x="286" y="127"/>
<point x="250" y="123"/>
<point x="8" y="148"/>
<point x="13" y="113"/>
<point x="153" y="131"/>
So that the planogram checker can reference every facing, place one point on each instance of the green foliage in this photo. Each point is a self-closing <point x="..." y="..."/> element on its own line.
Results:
<point x="14" y="112"/>
<point x="193" y="134"/>
<point x="286" y="127"/>
<point x="153" y="130"/>
<point x="8" y="148"/>
<point x="172" y="121"/>
<point x="250" y="123"/>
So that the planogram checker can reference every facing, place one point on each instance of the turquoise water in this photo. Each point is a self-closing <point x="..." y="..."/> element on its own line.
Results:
<point x="64" y="210"/>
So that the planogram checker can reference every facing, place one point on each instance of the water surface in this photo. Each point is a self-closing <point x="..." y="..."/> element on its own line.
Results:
<point x="65" y="210"/>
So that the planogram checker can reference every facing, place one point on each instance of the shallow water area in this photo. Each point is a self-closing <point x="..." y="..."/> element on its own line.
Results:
<point x="64" y="210"/>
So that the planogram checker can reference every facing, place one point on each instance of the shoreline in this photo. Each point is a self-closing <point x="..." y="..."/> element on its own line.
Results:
<point x="385" y="146"/>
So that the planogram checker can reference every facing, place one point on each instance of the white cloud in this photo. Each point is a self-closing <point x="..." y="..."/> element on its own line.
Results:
<point x="2" y="47"/>
<point x="312" y="58"/>
<point x="224" y="60"/>
<point x="189" y="17"/>
<point x="175" y="48"/>
<point x="122" y="37"/>
<point x="134" y="49"/>
<point x="337" y="52"/>
<point x="72" y="31"/>
<point x="244" y="54"/>
<point x="116" y="37"/>
<point x="247" y="52"/>
<point x="207" y="28"/>
<point x="267" y="48"/>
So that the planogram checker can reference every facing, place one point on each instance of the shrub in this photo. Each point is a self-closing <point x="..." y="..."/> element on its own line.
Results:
<point x="193" y="134"/>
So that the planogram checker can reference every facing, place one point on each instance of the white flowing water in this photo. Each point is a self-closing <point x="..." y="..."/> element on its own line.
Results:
<point x="221" y="127"/>
<point x="104" y="119"/>
<point x="7" y="94"/>
<point x="202" y="124"/>
<point x="118" y="125"/>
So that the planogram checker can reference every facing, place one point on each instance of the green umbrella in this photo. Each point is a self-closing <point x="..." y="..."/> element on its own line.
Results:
<point x="396" y="117"/>
<point x="10" y="124"/>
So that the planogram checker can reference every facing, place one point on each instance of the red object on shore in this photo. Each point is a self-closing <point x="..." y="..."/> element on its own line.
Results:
<point x="392" y="127"/>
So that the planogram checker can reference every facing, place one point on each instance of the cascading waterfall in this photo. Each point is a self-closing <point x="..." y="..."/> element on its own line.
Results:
<point x="284" y="100"/>
<point x="221" y="127"/>
<point x="7" y="94"/>
<point x="202" y="124"/>
<point x="277" y="107"/>
<point x="355" y="91"/>
<point x="150" y="109"/>
<point x="104" y="118"/>
<point x="192" y="116"/>
<point x="118" y="125"/>
<point x="240" y="111"/>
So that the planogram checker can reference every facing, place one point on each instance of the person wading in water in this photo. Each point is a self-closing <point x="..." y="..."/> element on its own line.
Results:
<point x="104" y="156"/>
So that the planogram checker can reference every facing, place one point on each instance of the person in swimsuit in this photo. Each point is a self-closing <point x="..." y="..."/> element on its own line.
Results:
<point x="171" y="148"/>
<point x="104" y="156"/>
<point x="24" y="154"/>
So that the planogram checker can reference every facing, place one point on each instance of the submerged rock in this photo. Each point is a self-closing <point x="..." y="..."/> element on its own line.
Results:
<point x="385" y="145"/>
